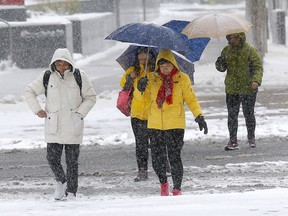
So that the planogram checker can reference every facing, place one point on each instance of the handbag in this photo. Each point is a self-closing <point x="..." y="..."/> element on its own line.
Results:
<point x="124" y="101"/>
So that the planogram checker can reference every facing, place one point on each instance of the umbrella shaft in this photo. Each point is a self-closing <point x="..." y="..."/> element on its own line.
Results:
<point x="147" y="59"/>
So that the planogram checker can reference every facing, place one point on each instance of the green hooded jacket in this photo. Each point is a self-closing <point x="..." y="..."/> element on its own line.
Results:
<point x="236" y="61"/>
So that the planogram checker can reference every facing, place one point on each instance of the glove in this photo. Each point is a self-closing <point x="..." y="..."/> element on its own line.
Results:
<point x="142" y="84"/>
<point x="202" y="124"/>
<point x="129" y="82"/>
<point x="221" y="64"/>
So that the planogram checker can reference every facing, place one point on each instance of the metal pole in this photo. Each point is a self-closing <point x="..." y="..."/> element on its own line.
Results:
<point x="10" y="38"/>
<point x="116" y="4"/>
<point x="144" y="10"/>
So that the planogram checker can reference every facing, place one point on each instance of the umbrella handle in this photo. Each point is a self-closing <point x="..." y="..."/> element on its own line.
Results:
<point x="146" y="64"/>
<point x="219" y="46"/>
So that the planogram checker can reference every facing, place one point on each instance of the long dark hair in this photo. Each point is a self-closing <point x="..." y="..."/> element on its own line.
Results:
<point x="151" y="62"/>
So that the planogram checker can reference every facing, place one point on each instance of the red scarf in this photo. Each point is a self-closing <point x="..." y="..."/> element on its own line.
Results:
<point x="166" y="89"/>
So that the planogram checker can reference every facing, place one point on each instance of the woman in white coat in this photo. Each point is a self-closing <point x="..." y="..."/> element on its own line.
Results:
<point x="67" y="103"/>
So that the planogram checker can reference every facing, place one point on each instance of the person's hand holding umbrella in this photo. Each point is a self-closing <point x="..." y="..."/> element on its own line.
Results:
<point x="142" y="84"/>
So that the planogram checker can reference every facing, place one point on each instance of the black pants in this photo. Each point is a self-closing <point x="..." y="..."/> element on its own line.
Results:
<point x="140" y="131"/>
<point x="171" y="142"/>
<point x="54" y="153"/>
<point x="233" y="105"/>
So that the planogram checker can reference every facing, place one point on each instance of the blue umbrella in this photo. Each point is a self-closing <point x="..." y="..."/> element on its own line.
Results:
<point x="127" y="59"/>
<point x="149" y="34"/>
<point x="197" y="45"/>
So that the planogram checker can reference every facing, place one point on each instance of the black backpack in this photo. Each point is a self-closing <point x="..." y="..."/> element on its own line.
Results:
<point x="76" y="74"/>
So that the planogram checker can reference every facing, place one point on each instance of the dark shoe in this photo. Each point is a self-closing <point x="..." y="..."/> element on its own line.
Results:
<point x="165" y="189"/>
<point x="176" y="192"/>
<point x="142" y="175"/>
<point x="232" y="145"/>
<point x="252" y="143"/>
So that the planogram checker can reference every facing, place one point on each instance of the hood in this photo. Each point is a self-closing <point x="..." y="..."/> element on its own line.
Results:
<point x="242" y="36"/>
<point x="168" y="55"/>
<point x="64" y="55"/>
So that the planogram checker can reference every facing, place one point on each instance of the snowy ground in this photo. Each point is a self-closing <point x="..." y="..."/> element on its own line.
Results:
<point x="105" y="125"/>
<point x="270" y="202"/>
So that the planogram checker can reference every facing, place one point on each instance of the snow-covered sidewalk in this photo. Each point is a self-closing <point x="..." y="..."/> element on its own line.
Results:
<point x="263" y="202"/>
<point x="105" y="125"/>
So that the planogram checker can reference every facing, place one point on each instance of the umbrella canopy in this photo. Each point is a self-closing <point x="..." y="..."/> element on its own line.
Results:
<point x="149" y="34"/>
<point x="196" y="45"/>
<point x="127" y="59"/>
<point x="216" y="25"/>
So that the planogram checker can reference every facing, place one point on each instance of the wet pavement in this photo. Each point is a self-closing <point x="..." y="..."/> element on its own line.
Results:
<point x="22" y="170"/>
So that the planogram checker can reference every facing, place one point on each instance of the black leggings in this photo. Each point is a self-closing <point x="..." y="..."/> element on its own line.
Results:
<point x="233" y="105"/>
<point x="54" y="153"/>
<point x="171" y="141"/>
<point x="140" y="131"/>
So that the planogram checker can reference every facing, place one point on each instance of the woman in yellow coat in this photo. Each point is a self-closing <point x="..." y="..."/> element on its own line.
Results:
<point x="139" y="110"/>
<point x="167" y="89"/>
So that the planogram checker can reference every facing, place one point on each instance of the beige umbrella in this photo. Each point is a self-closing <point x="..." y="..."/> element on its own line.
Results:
<point x="216" y="25"/>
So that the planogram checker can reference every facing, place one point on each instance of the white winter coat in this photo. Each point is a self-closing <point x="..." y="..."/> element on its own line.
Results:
<point x="65" y="107"/>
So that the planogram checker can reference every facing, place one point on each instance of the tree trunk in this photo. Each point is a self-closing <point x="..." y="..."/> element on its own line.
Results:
<point x="256" y="13"/>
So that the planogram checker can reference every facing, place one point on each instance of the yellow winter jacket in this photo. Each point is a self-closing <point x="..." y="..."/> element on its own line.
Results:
<point x="139" y="101"/>
<point x="170" y="116"/>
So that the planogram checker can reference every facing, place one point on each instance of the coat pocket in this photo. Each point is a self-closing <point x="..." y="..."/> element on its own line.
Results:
<point x="78" y="123"/>
<point x="51" y="123"/>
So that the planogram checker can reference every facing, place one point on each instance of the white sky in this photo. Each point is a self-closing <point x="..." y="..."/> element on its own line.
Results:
<point x="19" y="128"/>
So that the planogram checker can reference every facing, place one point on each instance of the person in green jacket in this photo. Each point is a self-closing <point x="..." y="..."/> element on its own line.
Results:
<point x="244" y="75"/>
